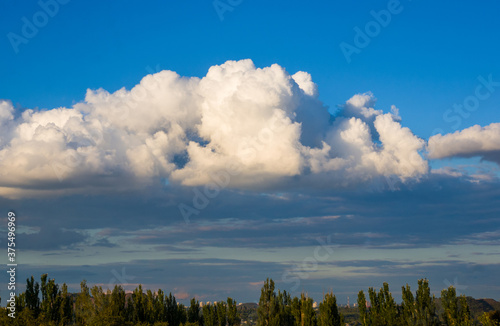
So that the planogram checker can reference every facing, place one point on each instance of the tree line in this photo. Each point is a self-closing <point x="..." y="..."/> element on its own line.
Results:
<point x="278" y="309"/>
<point x="48" y="304"/>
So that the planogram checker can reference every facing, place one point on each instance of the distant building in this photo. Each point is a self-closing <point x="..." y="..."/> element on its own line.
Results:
<point x="315" y="305"/>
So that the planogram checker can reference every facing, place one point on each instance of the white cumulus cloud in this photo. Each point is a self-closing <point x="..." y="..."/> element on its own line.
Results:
<point x="261" y="124"/>
<point x="474" y="141"/>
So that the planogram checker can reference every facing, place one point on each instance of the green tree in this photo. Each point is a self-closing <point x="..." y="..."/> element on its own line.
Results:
<point x="383" y="308"/>
<point x="182" y="314"/>
<point x="389" y="309"/>
<point x="284" y="306"/>
<point x="450" y="306"/>
<point x="464" y="316"/>
<point x="210" y="315"/>
<point x="491" y="318"/>
<point x="31" y="296"/>
<point x="328" y="312"/>
<point x="408" y="316"/>
<point x="176" y="314"/>
<point x="66" y="306"/>
<point x="193" y="314"/>
<point x="117" y="303"/>
<point x="160" y="306"/>
<point x="375" y="312"/>
<point x="296" y="307"/>
<point x="233" y="318"/>
<point x="151" y="314"/>
<point x="25" y="317"/>
<point x="425" y="304"/>
<point x="104" y="312"/>
<point x="268" y="311"/>
<point x="21" y="304"/>
<point x="50" y="299"/>
<point x="307" y="313"/>
<point x="363" y="313"/>
<point x="221" y="313"/>
<point x="139" y="305"/>
<point x="456" y="310"/>
<point x="83" y="305"/>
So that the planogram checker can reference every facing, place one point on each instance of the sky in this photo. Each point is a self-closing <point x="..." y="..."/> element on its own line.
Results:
<point x="201" y="147"/>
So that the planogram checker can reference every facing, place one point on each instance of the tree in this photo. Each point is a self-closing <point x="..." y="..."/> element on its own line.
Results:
<point x="160" y="306"/>
<point x="408" y="316"/>
<point x="464" y="316"/>
<point x="425" y="304"/>
<point x="389" y="309"/>
<point x="221" y="313"/>
<point x="176" y="314"/>
<point x="491" y="318"/>
<point x="268" y="307"/>
<point x="307" y="313"/>
<point x="328" y="312"/>
<point x="83" y="307"/>
<point x="99" y="300"/>
<point x="374" y="314"/>
<point x="456" y="310"/>
<point x="151" y="314"/>
<point x="139" y="305"/>
<point x="182" y="313"/>
<point x="117" y="303"/>
<point x="383" y="309"/>
<point x="193" y="314"/>
<point x="31" y="296"/>
<point x="284" y="306"/>
<point x="450" y="307"/>
<point x="363" y="314"/>
<point x="233" y="318"/>
<point x="66" y="306"/>
<point x="296" y="307"/>
<point x="210" y="315"/>
<point x="50" y="303"/>
<point x="104" y="312"/>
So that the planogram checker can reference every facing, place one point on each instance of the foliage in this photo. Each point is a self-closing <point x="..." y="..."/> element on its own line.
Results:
<point x="329" y="313"/>
<point x="491" y="318"/>
<point x="456" y="310"/>
<point x="48" y="304"/>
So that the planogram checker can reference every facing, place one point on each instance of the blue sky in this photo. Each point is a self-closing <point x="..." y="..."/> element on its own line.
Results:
<point x="113" y="211"/>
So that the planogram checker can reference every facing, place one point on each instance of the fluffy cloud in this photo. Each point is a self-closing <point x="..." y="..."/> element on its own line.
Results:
<point x="255" y="126"/>
<point x="474" y="141"/>
<point x="366" y="142"/>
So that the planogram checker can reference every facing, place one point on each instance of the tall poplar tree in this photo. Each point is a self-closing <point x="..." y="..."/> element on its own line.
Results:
<point x="328" y="312"/>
